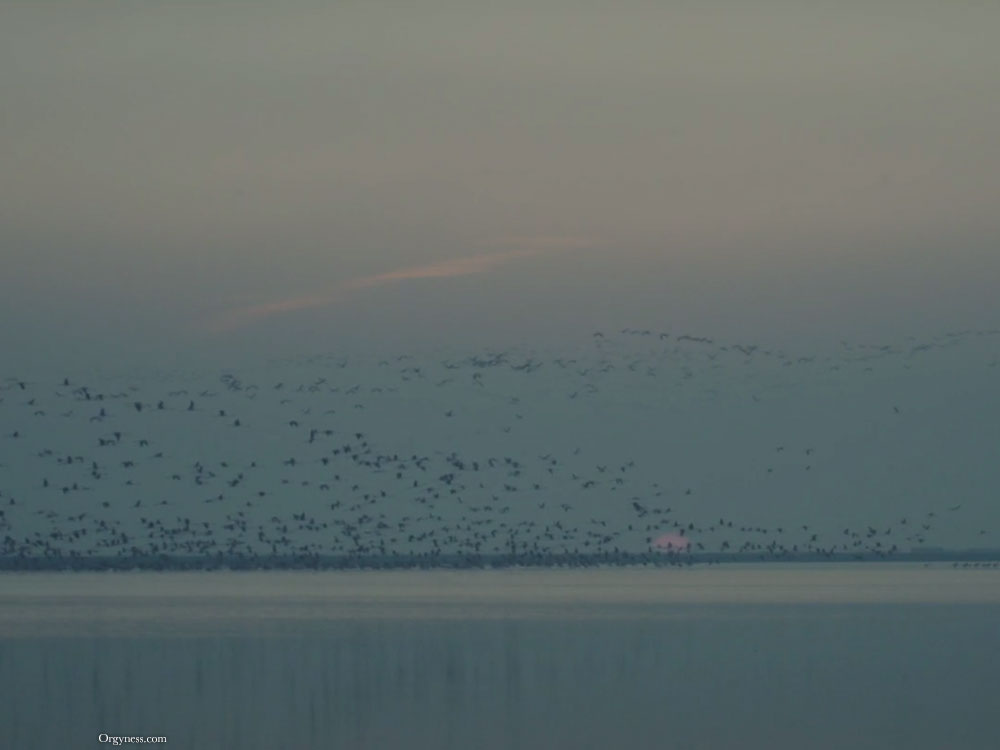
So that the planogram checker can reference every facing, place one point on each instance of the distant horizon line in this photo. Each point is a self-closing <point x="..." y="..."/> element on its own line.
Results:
<point x="987" y="557"/>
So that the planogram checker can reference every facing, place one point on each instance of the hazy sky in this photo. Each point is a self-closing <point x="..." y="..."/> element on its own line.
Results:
<point x="214" y="179"/>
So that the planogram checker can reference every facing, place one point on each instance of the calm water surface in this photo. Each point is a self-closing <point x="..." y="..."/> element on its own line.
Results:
<point x="865" y="656"/>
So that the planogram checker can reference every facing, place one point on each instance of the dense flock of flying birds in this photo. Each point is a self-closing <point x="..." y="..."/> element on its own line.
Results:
<point x="417" y="461"/>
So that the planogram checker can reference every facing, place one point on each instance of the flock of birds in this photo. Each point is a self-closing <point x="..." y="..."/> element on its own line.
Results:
<point x="490" y="458"/>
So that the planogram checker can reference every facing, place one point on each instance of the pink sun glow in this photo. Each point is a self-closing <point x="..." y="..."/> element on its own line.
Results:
<point x="671" y="543"/>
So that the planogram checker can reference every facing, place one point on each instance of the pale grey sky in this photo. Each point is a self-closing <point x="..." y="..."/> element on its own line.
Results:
<point x="216" y="179"/>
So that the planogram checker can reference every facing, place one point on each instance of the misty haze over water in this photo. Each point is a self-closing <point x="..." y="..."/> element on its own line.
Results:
<point x="561" y="311"/>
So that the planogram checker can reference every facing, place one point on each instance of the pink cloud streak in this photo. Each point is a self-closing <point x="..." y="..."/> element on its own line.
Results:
<point x="527" y="247"/>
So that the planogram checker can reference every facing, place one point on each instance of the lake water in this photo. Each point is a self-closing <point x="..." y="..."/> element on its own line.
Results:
<point x="775" y="656"/>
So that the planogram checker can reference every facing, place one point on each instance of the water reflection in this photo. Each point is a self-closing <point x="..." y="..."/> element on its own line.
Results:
<point x="709" y="676"/>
